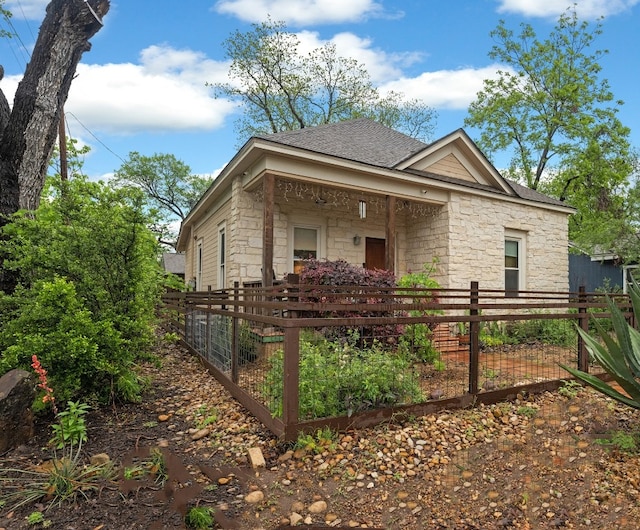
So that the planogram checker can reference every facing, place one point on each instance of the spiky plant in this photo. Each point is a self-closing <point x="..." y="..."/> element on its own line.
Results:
<point x="619" y="356"/>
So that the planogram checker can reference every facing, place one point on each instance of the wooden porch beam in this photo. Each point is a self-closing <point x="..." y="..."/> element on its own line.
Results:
<point x="268" y="194"/>
<point x="390" y="247"/>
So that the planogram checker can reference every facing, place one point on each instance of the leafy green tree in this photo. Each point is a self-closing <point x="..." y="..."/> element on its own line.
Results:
<point x="548" y="104"/>
<point x="282" y="89"/>
<point x="89" y="282"/>
<point x="170" y="188"/>
<point x="558" y="119"/>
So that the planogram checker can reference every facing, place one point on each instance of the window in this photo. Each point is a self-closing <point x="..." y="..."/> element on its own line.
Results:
<point x="305" y="246"/>
<point x="222" y="257"/>
<point x="513" y="263"/>
<point x="199" y="264"/>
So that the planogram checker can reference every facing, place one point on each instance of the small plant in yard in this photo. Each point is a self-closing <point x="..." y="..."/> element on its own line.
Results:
<point x="199" y="517"/>
<point x="526" y="410"/>
<point x="570" y="388"/>
<point x="71" y="428"/>
<point x="154" y="465"/>
<point x="171" y="337"/>
<point x="37" y="518"/>
<point x="324" y="439"/>
<point x="205" y="415"/>
<point x="622" y="441"/>
<point x="619" y="355"/>
<point x="64" y="477"/>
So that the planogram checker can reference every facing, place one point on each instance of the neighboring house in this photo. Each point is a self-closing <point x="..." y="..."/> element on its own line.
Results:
<point x="598" y="270"/>
<point x="594" y="271"/>
<point x="362" y="192"/>
<point x="174" y="263"/>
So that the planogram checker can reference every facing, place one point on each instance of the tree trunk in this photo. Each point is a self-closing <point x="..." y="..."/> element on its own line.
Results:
<point x="28" y="132"/>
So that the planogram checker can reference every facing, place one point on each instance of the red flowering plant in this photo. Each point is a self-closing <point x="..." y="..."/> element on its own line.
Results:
<point x="44" y="384"/>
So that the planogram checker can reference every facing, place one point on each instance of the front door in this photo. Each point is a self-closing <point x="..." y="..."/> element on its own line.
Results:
<point x="374" y="253"/>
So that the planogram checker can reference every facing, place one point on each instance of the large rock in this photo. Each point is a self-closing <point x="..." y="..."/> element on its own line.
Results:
<point x="17" y="392"/>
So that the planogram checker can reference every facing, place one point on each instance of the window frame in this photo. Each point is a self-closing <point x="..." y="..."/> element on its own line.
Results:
<point x="320" y="247"/>
<point x="199" y="263"/>
<point x="222" y="255"/>
<point x="520" y="239"/>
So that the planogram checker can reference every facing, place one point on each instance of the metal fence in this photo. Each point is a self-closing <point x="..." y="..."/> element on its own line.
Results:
<point x="302" y="357"/>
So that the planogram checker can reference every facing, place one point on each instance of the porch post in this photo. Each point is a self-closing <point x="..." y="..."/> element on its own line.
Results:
<point x="268" y="193"/>
<point x="390" y="236"/>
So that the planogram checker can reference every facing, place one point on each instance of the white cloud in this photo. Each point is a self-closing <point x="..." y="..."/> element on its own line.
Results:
<point x="165" y="92"/>
<point x="444" y="89"/>
<point x="588" y="9"/>
<point x="28" y="9"/>
<point x="380" y="64"/>
<point x="300" y="13"/>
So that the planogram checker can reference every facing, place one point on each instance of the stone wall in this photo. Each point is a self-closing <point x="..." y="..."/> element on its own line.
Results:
<point x="466" y="236"/>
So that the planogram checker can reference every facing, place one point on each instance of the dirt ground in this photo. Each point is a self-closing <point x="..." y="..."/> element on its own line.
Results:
<point x="535" y="463"/>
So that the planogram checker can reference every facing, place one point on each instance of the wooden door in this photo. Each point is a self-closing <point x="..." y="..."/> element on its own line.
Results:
<point x="374" y="253"/>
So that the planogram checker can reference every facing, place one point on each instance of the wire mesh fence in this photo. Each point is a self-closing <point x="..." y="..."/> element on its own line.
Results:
<point x="301" y="358"/>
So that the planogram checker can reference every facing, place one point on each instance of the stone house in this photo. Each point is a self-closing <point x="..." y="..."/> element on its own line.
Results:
<point x="370" y="195"/>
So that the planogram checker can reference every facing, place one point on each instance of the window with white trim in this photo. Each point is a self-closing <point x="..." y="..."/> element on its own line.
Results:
<point x="222" y="256"/>
<point x="199" y="264"/>
<point x="514" y="263"/>
<point x="305" y="245"/>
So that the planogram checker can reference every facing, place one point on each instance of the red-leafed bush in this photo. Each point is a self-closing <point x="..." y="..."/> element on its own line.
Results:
<point x="339" y="282"/>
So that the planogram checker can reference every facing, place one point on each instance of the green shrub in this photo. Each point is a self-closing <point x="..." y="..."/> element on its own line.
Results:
<point x="416" y="338"/>
<point x="89" y="280"/>
<point x="341" y="378"/>
<point x="416" y="341"/>
<point x="559" y="332"/>
<point x="83" y="356"/>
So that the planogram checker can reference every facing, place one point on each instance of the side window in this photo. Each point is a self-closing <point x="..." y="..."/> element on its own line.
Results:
<point x="514" y="266"/>
<point x="511" y="267"/>
<point x="305" y="246"/>
<point x="222" y="257"/>
<point x="199" y="264"/>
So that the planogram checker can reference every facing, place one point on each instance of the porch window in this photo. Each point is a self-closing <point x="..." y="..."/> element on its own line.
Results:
<point x="513" y="263"/>
<point x="305" y="246"/>
<point x="222" y="257"/>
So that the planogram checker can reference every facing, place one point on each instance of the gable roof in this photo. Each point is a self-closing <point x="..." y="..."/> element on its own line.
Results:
<point x="369" y="142"/>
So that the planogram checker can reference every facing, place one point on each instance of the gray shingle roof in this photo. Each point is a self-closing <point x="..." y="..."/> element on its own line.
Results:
<point x="173" y="262"/>
<point x="359" y="140"/>
<point x="366" y="141"/>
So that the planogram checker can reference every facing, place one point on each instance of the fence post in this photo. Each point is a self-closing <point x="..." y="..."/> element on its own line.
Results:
<point x="290" y="385"/>
<point x="583" y="322"/>
<point x="474" y="342"/>
<point x="192" y="326"/>
<point x="207" y="343"/>
<point x="235" y="335"/>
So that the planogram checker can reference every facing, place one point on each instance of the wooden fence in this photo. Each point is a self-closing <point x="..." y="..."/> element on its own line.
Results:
<point x="270" y="347"/>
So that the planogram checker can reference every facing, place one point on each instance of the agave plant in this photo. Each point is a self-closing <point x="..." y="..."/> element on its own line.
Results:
<point x="619" y="356"/>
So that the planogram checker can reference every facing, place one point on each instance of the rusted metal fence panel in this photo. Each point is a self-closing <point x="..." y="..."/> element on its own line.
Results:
<point x="300" y="356"/>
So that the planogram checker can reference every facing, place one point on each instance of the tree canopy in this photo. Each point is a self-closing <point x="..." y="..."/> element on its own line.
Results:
<point x="555" y="115"/>
<point x="171" y="190"/>
<point x="281" y="89"/>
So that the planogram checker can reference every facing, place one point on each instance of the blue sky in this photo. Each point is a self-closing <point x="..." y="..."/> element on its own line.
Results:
<point x="142" y="87"/>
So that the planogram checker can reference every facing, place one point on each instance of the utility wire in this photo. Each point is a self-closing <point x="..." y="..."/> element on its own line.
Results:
<point x="96" y="138"/>
<point x="33" y="37"/>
